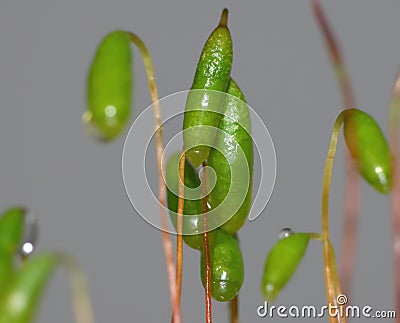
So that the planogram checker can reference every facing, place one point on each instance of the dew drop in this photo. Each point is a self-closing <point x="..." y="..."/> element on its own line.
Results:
<point x="31" y="231"/>
<point x="284" y="233"/>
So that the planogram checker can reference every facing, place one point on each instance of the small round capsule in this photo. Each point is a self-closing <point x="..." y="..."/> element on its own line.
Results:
<point x="281" y="263"/>
<point x="109" y="86"/>
<point x="369" y="148"/>
<point x="227" y="269"/>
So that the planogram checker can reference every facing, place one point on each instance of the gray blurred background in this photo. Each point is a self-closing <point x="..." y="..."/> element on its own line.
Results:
<point x="74" y="184"/>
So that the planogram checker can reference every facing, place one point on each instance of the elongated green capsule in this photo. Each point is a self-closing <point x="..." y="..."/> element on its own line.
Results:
<point x="227" y="270"/>
<point x="234" y="172"/>
<point x="191" y="207"/>
<point x="11" y="230"/>
<point x="19" y="302"/>
<point x="281" y="263"/>
<point x="203" y="108"/>
<point x="109" y="86"/>
<point x="368" y="147"/>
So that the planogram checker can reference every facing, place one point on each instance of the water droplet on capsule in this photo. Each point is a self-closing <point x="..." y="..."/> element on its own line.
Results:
<point x="284" y="233"/>
<point x="31" y="232"/>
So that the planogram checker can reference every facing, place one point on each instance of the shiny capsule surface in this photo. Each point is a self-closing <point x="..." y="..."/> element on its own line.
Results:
<point x="232" y="160"/>
<point x="203" y="107"/>
<point x="369" y="148"/>
<point x="227" y="269"/>
<point x="109" y="86"/>
<point x="281" y="263"/>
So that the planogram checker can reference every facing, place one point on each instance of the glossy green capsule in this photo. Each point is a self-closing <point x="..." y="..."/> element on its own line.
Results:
<point x="369" y="148"/>
<point x="109" y="86"/>
<point x="227" y="269"/>
<point x="233" y="172"/>
<point x="19" y="302"/>
<point x="191" y="207"/>
<point x="203" y="108"/>
<point x="281" y="263"/>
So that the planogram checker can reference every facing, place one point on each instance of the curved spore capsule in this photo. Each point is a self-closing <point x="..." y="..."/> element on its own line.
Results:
<point x="281" y="263"/>
<point x="109" y="86"/>
<point x="369" y="148"/>
<point x="227" y="269"/>
<point x="204" y="104"/>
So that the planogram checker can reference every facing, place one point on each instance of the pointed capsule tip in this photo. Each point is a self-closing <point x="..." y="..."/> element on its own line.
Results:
<point x="223" y="22"/>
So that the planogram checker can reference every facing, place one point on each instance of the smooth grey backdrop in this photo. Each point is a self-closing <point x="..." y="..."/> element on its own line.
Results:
<point x="75" y="186"/>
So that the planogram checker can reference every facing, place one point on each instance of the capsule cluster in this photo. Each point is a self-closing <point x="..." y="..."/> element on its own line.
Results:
<point x="217" y="133"/>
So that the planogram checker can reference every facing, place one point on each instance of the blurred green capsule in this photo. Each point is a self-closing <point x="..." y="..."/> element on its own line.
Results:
<point x="19" y="302"/>
<point x="227" y="269"/>
<point x="281" y="263"/>
<point x="6" y="270"/>
<point x="192" y="206"/>
<point x="11" y="230"/>
<point x="368" y="147"/>
<point x="109" y="86"/>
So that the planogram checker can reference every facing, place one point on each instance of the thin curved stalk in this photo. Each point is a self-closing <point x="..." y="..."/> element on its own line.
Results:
<point x="330" y="272"/>
<point x="352" y="190"/>
<point x="394" y="118"/>
<point x="80" y="293"/>
<point x="181" y="203"/>
<point x="167" y="244"/>
<point x="206" y="251"/>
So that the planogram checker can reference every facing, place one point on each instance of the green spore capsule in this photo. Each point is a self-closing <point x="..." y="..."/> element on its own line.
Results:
<point x="234" y="173"/>
<point x="11" y="233"/>
<point x="109" y="86"/>
<point x="19" y="302"/>
<point x="11" y="230"/>
<point x="203" y="108"/>
<point x="227" y="270"/>
<point x="369" y="148"/>
<point x="191" y="223"/>
<point x="281" y="263"/>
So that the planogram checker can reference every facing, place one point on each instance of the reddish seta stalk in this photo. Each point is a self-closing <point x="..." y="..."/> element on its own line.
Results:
<point x="207" y="289"/>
